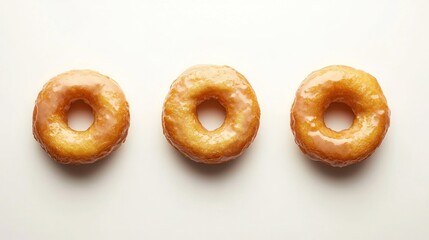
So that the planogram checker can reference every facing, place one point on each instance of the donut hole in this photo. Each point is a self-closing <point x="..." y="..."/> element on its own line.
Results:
<point x="338" y="116"/>
<point x="211" y="114"/>
<point x="80" y="116"/>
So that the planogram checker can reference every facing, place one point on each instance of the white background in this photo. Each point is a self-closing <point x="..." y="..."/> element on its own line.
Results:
<point x="146" y="190"/>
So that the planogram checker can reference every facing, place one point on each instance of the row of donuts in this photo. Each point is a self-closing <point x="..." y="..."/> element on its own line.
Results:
<point x="182" y="129"/>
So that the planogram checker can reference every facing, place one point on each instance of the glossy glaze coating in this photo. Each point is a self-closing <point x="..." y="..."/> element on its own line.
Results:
<point x="111" y="117"/>
<point x="180" y="121"/>
<point x="357" y="89"/>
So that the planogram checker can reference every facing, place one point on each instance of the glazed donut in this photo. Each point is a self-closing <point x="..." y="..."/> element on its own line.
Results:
<point x="107" y="132"/>
<point x="361" y="92"/>
<point x="180" y="121"/>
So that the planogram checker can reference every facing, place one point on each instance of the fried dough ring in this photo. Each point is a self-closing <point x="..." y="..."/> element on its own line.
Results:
<point x="109" y="106"/>
<point x="361" y="92"/>
<point x="180" y="121"/>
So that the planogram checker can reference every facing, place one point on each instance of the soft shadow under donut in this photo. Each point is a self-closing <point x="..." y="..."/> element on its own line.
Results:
<point x="82" y="171"/>
<point x="209" y="170"/>
<point x="348" y="172"/>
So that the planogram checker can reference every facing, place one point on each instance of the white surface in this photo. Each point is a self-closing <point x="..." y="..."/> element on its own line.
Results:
<point x="146" y="190"/>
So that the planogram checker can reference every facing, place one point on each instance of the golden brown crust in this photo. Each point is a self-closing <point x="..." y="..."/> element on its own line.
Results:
<point x="183" y="129"/>
<point x="353" y="87"/>
<point x="111" y="117"/>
